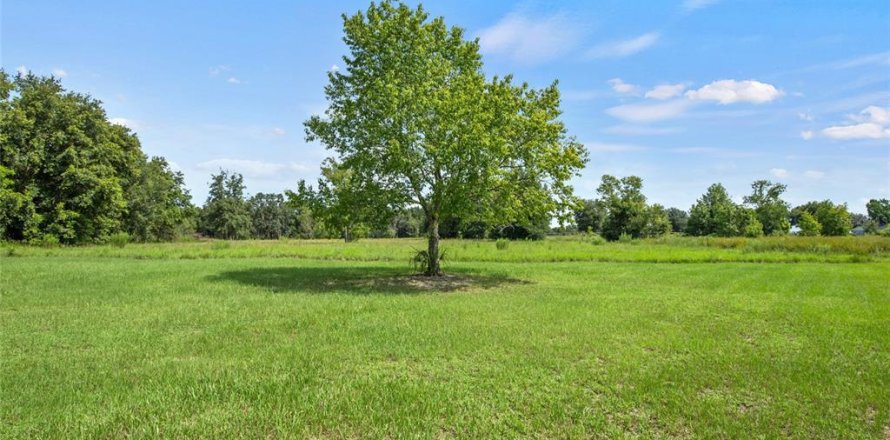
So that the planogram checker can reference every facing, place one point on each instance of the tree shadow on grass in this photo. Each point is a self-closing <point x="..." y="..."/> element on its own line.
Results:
<point x="360" y="280"/>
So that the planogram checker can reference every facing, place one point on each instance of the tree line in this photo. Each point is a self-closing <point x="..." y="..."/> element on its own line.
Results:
<point x="68" y="175"/>
<point x="621" y="211"/>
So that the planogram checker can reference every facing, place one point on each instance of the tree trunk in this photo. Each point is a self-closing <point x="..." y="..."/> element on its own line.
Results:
<point x="433" y="268"/>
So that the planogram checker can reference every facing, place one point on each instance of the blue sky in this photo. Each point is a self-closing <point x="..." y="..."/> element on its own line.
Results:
<point x="683" y="93"/>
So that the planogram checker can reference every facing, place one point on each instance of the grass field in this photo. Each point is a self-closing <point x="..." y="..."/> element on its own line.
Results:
<point x="740" y="339"/>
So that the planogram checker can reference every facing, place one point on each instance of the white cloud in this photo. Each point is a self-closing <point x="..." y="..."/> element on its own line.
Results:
<point x="806" y="135"/>
<point x="867" y="130"/>
<point x="649" y="112"/>
<point x="252" y="168"/>
<point x="233" y="80"/>
<point x="622" y="87"/>
<point x="873" y="121"/>
<point x="691" y="5"/>
<point x="665" y="91"/>
<point x="61" y="73"/>
<point x="600" y="147"/>
<point x="730" y="91"/>
<point x="882" y="58"/>
<point x="806" y="116"/>
<point x="624" y="48"/>
<point x="132" y="125"/>
<point x="875" y="114"/>
<point x="22" y="70"/>
<point x="813" y="174"/>
<point x="278" y="131"/>
<point x="530" y="39"/>
<point x="334" y="68"/>
<point x="779" y="172"/>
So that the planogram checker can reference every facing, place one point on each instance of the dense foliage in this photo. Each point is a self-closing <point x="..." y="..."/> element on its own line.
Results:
<point x="69" y="175"/>
<point x="414" y="122"/>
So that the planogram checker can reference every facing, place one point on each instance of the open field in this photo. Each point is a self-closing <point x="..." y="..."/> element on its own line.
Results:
<point x="559" y="338"/>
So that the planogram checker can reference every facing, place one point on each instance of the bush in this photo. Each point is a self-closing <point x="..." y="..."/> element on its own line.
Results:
<point x="501" y="244"/>
<point x="596" y="240"/>
<point x="119" y="239"/>
<point x="46" y="240"/>
<point x="625" y="238"/>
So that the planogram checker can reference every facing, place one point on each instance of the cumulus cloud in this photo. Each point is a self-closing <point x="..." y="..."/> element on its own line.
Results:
<point x="872" y="123"/>
<point x="866" y="130"/>
<point x="779" y="172"/>
<point x="622" y="87"/>
<point x="334" y="68"/>
<point x="806" y="116"/>
<point x="61" y="73"/>
<point x="665" y="91"/>
<point x="530" y="39"/>
<point x="806" y="135"/>
<point x="623" y="48"/>
<point x="252" y="168"/>
<point x="730" y="91"/>
<point x="233" y="80"/>
<point x="22" y="70"/>
<point x="649" y="112"/>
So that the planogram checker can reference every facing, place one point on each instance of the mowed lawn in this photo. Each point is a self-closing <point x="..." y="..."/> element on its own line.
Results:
<point x="110" y="347"/>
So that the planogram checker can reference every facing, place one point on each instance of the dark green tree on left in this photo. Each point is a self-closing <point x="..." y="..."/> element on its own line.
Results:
<point x="69" y="174"/>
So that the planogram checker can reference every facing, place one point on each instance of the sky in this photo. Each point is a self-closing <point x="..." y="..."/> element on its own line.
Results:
<point x="683" y="93"/>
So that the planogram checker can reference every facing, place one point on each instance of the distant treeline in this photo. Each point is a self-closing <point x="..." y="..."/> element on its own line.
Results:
<point x="68" y="175"/>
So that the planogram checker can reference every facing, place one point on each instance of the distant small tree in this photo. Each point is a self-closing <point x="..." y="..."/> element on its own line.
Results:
<point x="808" y="225"/>
<point x="714" y="214"/>
<point x="591" y="216"/>
<point x="625" y="204"/>
<point x="771" y="211"/>
<point x="679" y="219"/>
<point x="226" y="214"/>
<point x="835" y="219"/>
<point x="657" y="222"/>
<point x="272" y="217"/>
<point x="879" y="210"/>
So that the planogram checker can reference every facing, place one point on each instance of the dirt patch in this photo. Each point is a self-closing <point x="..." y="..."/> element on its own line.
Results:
<point x="423" y="283"/>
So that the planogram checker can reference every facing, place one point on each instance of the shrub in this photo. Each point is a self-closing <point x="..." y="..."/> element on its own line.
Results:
<point x="421" y="260"/>
<point x="119" y="239"/>
<point x="46" y="240"/>
<point x="501" y="243"/>
<point x="625" y="238"/>
<point x="596" y="240"/>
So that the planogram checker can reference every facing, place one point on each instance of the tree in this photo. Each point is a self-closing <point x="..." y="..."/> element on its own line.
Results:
<point x="714" y="214"/>
<point x="834" y="219"/>
<point x="879" y="211"/>
<point x="626" y="205"/>
<point x="771" y="211"/>
<point x="416" y="123"/>
<point x="808" y="225"/>
<point x="272" y="217"/>
<point x="71" y="175"/>
<point x="678" y="218"/>
<point x="591" y="216"/>
<point x="657" y="222"/>
<point x="226" y="213"/>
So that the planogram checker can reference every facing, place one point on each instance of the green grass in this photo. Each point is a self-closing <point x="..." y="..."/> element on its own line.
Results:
<point x="556" y="249"/>
<point x="158" y="341"/>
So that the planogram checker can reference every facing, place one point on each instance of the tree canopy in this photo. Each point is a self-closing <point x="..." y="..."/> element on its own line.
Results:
<point x="416" y="123"/>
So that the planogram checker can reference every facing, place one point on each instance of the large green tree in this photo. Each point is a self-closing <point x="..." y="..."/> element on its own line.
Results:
<point x="415" y="121"/>
<point x="715" y="214"/>
<point x="226" y="214"/>
<point x="772" y="212"/>
<point x="879" y="210"/>
<point x="69" y="174"/>
<point x="834" y="219"/>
